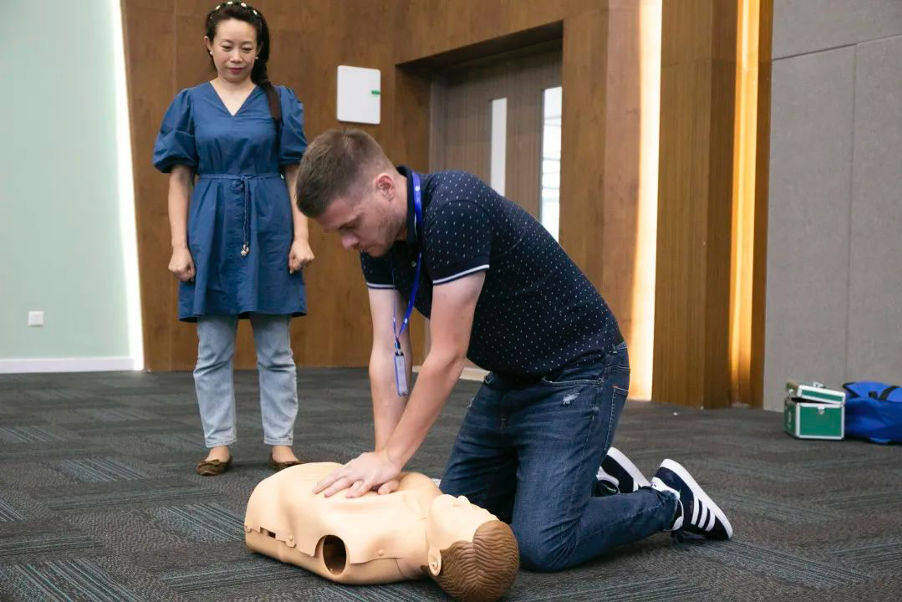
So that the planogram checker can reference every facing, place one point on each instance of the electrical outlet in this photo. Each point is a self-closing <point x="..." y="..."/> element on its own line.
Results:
<point x="35" y="318"/>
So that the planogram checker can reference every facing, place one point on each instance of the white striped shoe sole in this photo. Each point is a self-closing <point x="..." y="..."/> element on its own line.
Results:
<point x="639" y="479"/>
<point x="702" y="500"/>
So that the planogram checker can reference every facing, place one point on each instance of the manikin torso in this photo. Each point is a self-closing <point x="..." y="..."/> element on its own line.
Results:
<point x="375" y="538"/>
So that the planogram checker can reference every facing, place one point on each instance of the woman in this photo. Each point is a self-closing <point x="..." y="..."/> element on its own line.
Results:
<point x="239" y="250"/>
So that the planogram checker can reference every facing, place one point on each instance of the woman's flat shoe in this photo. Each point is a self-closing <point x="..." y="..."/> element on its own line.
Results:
<point x="277" y="466"/>
<point x="211" y="468"/>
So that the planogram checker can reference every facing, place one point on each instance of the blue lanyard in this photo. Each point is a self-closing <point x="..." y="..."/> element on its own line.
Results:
<point x="418" y="220"/>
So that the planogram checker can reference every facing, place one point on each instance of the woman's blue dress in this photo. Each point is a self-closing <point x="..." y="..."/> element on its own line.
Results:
<point x="240" y="225"/>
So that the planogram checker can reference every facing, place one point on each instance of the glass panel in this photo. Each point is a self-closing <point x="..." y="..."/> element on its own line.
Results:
<point x="550" y="208"/>
<point x="498" y="148"/>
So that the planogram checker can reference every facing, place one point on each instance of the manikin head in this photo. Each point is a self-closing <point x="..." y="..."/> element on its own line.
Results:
<point x="348" y="185"/>
<point x="472" y="555"/>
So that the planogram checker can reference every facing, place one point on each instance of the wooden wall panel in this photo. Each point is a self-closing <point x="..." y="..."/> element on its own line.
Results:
<point x="695" y="201"/>
<point x="164" y="54"/>
<point x="582" y="143"/>
<point x="149" y="33"/>
<point x="435" y="26"/>
<point x="622" y="135"/>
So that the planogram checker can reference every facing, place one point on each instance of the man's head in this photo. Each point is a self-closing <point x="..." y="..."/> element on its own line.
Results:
<point x="348" y="185"/>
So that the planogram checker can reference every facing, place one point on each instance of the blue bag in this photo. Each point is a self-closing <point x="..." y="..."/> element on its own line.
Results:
<point x="874" y="411"/>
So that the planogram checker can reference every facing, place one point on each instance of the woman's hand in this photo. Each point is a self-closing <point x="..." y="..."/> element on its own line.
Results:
<point x="299" y="256"/>
<point x="181" y="265"/>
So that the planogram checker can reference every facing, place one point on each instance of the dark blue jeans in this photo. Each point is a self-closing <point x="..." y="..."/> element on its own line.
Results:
<point x="529" y="455"/>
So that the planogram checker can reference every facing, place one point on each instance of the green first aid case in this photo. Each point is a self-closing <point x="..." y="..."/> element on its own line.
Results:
<point x="805" y="419"/>
<point x="814" y="391"/>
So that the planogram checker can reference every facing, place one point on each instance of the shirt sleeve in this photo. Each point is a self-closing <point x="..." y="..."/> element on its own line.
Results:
<point x="175" y="141"/>
<point x="458" y="241"/>
<point x="292" y="141"/>
<point x="376" y="271"/>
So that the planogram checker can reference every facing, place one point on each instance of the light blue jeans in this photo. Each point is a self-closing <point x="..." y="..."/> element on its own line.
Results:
<point x="215" y="386"/>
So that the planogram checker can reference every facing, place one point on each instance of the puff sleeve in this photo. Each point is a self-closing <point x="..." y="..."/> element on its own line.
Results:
<point x="292" y="142"/>
<point x="175" y="141"/>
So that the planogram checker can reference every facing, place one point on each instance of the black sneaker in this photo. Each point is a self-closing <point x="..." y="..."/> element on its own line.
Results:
<point x="617" y="474"/>
<point x="698" y="514"/>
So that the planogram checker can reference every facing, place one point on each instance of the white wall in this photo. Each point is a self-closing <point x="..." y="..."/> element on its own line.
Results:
<point x="834" y="259"/>
<point x="61" y="240"/>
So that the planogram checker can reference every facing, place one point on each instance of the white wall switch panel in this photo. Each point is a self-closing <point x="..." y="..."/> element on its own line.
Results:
<point x="35" y="318"/>
<point x="359" y="94"/>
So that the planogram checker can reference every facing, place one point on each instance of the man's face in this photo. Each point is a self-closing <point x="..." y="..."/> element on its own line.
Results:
<point x="363" y="220"/>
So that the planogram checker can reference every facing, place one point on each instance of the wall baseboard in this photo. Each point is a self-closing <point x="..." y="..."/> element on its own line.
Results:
<point x="469" y="373"/>
<point x="67" y="364"/>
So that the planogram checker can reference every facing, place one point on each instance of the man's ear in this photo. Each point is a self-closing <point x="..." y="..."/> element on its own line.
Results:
<point x="385" y="184"/>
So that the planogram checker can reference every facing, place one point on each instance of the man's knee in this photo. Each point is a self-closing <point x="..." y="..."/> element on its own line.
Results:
<point x="542" y="552"/>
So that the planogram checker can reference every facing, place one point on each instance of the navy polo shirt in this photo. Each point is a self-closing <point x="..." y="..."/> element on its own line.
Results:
<point x="537" y="312"/>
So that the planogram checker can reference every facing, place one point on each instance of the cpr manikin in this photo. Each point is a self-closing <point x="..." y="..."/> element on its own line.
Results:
<point x="407" y="534"/>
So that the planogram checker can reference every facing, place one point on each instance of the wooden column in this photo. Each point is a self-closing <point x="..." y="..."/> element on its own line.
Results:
<point x="698" y="70"/>
<point x="585" y="59"/>
<point x="762" y="164"/>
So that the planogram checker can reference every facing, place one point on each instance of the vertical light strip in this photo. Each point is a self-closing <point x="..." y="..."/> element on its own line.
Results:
<point x="498" y="148"/>
<point x="550" y="169"/>
<point x="743" y="224"/>
<point x="643" y="304"/>
<point x="126" y="193"/>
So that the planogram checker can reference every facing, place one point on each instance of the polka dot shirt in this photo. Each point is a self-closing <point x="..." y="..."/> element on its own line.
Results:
<point x="537" y="312"/>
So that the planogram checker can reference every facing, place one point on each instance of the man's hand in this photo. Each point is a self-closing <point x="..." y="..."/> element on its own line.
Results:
<point x="365" y="472"/>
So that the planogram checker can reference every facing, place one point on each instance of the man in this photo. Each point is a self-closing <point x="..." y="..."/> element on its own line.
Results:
<point x="498" y="290"/>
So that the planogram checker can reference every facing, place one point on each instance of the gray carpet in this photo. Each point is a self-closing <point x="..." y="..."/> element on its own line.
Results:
<point x="99" y="501"/>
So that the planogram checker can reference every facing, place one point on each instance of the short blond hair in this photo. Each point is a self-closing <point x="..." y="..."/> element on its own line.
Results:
<point x="333" y="164"/>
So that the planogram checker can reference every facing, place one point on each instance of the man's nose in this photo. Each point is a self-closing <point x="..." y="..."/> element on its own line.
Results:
<point x="349" y="242"/>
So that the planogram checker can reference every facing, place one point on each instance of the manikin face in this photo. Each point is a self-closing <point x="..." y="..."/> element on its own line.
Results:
<point x="367" y="220"/>
<point x="471" y="555"/>
<point x="453" y="519"/>
<point x="234" y="50"/>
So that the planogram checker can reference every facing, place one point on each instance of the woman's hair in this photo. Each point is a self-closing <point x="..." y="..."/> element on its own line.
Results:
<point x="247" y="13"/>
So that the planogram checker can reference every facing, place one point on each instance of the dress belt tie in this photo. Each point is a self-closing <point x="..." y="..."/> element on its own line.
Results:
<point x="246" y="189"/>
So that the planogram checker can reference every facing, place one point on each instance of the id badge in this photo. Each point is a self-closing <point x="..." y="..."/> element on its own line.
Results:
<point x="401" y="375"/>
